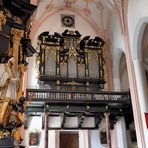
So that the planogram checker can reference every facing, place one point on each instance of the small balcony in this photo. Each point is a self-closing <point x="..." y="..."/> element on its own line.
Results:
<point x="75" y="104"/>
<point x="103" y="100"/>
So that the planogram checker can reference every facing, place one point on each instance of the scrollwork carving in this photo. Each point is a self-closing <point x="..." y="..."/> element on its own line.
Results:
<point x="2" y="19"/>
<point x="17" y="35"/>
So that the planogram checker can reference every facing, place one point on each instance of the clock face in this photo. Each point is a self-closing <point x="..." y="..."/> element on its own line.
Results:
<point x="67" y="21"/>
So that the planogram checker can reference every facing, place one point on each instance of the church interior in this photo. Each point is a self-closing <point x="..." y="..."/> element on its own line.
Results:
<point x="73" y="74"/>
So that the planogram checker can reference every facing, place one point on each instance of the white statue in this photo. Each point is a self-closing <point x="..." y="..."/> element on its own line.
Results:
<point x="9" y="79"/>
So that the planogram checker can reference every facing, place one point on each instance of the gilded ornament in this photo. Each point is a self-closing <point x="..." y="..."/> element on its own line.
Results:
<point x="4" y="133"/>
<point x="2" y="19"/>
<point x="72" y="52"/>
<point x="17" y="35"/>
<point x="73" y="83"/>
<point x="43" y="46"/>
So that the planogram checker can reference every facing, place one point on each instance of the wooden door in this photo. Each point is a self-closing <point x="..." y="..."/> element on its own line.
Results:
<point x="69" y="140"/>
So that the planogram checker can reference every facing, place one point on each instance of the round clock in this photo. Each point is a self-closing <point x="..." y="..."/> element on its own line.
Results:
<point x="68" y="21"/>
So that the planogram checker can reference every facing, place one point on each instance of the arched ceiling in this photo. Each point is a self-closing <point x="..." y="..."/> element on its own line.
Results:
<point x="69" y="3"/>
<point x="97" y="13"/>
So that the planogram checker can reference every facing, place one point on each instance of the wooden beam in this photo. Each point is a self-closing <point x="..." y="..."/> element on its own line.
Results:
<point x="63" y="119"/>
<point x="43" y="121"/>
<point x="46" y="128"/>
<point x="106" y="114"/>
<point x="81" y="118"/>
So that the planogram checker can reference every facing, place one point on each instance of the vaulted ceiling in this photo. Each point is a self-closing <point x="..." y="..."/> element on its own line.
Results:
<point x="92" y="17"/>
<point x="97" y="13"/>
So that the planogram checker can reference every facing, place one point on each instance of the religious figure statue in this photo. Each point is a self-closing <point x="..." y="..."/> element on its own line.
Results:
<point x="4" y="111"/>
<point x="4" y="79"/>
<point x="9" y="79"/>
<point x="11" y="110"/>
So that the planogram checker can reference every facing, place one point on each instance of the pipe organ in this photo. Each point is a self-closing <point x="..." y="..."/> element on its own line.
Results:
<point x="70" y="61"/>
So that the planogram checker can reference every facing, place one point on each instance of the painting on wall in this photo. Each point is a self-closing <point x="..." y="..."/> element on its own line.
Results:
<point x="34" y="138"/>
<point x="103" y="137"/>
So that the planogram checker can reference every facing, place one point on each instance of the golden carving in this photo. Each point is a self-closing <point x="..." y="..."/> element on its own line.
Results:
<point x="92" y="55"/>
<point x="10" y="52"/>
<point x="5" y="110"/>
<point x="73" y="83"/>
<point x="2" y="19"/>
<point x="43" y="46"/>
<point x="21" y="70"/>
<point x="4" y="133"/>
<point x="37" y="63"/>
<point x="21" y="53"/>
<point x="17" y="20"/>
<point x="72" y="52"/>
<point x="17" y="35"/>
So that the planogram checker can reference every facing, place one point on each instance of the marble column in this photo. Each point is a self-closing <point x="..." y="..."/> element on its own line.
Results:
<point x="121" y="133"/>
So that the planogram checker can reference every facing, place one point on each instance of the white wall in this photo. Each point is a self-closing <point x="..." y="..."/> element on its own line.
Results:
<point x="94" y="136"/>
<point x="116" y="37"/>
<point x="116" y="49"/>
<point x="35" y="124"/>
<point x="95" y="139"/>
<point x="137" y="14"/>
<point x="87" y="139"/>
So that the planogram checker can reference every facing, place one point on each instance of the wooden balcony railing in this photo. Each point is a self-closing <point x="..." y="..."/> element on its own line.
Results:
<point x="62" y="95"/>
